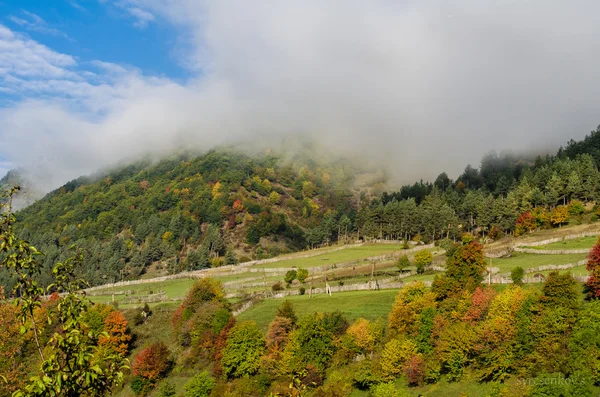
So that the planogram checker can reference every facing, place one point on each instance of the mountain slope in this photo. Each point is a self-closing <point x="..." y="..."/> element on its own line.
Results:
<point x="190" y="211"/>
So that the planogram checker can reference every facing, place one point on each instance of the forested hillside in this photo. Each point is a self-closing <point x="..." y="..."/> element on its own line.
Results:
<point x="506" y="195"/>
<point x="191" y="211"/>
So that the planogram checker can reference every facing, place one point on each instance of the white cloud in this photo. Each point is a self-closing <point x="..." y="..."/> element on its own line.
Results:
<point x="398" y="79"/>
<point x="33" y="22"/>
<point x="141" y="15"/>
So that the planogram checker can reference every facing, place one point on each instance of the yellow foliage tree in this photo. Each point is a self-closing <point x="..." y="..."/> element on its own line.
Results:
<point x="410" y="303"/>
<point x="395" y="355"/>
<point x="216" y="193"/>
<point x="365" y="334"/>
<point x="274" y="197"/>
<point x="559" y="215"/>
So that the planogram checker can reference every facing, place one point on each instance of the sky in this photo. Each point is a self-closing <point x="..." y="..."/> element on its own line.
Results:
<point x="422" y="86"/>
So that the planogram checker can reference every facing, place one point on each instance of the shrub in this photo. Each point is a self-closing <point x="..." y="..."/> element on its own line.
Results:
<point x="495" y="233"/>
<point x="576" y="207"/>
<point x="140" y="385"/>
<point x="387" y="390"/>
<point x="200" y="385"/>
<point x="403" y="263"/>
<point x="153" y="362"/>
<point x="277" y="287"/>
<point x="516" y="275"/>
<point x="423" y="258"/>
<point x="287" y="310"/>
<point x="302" y="275"/>
<point x="290" y="276"/>
<point x="302" y="290"/>
<point x="166" y="389"/>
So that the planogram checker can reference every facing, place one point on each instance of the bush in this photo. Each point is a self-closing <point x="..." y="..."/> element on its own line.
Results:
<point x="153" y="362"/>
<point x="287" y="310"/>
<point x="576" y="207"/>
<point x="277" y="287"/>
<point x="302" y="275"/>
<point x="495" y="233"/>
<point x="290" y="276"/>
<point x="403" y="263"/>
<point x="166" y="389"/>
<point x="140" y="385"/>
<point x="302" y="290"/>
<point x="516" y="275"/>
<point x="387" y="390"/>
<point x="423" y="258"/>
<point x="200" y="385"/>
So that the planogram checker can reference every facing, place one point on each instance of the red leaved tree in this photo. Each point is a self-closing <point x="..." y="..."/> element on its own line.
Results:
<point x="153" y="362"/>
<point x="480" y="303"/>
<point x="593" y="266"/>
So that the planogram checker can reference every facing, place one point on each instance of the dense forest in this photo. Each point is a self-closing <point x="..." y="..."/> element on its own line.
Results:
<point x="192" y="211"/>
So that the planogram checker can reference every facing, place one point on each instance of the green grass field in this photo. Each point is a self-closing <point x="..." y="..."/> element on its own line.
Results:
<point x="342" y="256"/>
<point x="527" y="261"/>
<point x="368" y="304"/>
<point x="576" y="243"/>
<point x="172" y="288"/>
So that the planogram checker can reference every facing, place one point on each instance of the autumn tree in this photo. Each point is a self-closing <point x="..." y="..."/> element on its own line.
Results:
<point x="593" y="267"/>
<point x="394" y="356"/>
<point x="117" y="337"/>
<point x="302" y="275"/>
<point x="464" y="270"/>
<point x="279" y="330"/>
<point x="153" y="363"/>
<point x="200" y="385"/>
<point x="559" y="215"/>
<point x="365" y="334"/>
<point x="423" y="258"/>
<point x="410" y="302"/>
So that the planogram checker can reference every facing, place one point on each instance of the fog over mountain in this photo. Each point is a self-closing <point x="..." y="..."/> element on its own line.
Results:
<point x="421" y="86"/>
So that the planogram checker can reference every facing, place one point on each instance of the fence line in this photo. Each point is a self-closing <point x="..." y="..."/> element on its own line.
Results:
<point x="551" y="252"/>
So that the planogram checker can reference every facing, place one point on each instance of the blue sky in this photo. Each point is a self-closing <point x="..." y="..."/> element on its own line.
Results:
<point x="98" y="30"/>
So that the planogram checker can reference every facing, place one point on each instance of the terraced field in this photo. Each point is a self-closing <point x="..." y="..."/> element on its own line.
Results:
<point x="368" y="304"/>
<point x="527" y="261"/>
<point x="576" y="243"/>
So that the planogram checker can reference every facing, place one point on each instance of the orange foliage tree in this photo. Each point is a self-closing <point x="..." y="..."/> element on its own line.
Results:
<point x="118" y="337"/>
